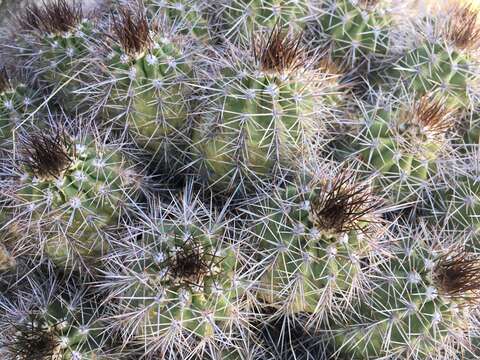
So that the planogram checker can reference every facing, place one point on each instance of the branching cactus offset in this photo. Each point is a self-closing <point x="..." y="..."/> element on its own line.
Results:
<point x="68" y="189"/>
<point x="420" y="306"/>
<point x="149" y="78"/>
<point x="177" y="284"/>
<point x="48" y="319"/>
<point x="260" y="112"/>
<point x="316" y="244"/>
<point x="444" y="63"/>
<point x="402" y="143"/>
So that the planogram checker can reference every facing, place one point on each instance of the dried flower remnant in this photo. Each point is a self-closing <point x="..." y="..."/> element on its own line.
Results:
<point x="191" y="263"/>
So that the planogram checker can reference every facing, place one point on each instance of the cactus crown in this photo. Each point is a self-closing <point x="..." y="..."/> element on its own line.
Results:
<point x="191" y="263"/>
<point x="33" y="341"/>
<point x="54" y="17"/>
<point x="131" y="29"/>
<point x="46" y="155"/>
<point x="279" y="52"/>
<point x="457" y="276"/>
<point x="463" y="29"/>
<point x="341" y="205"/>
<point x="5" y="84"/>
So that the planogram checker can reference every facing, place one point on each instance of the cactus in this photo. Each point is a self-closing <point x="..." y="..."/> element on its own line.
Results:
<point x="239" y="179"/>
<point x="181" y="280"/>
<point x="354" y="33"/>
<point x="238" y="19"/>
<point x="259" y="114"/>
<point x="419" y="305"/>
<point x="72" y="188"/>
<point x="15" y="103"/>
<point x="444" y="65"/>
<point x="54" y="44"/>
<point x="313" y="242"/>
<point x="402" y="143"/>
<point x="50" y="319"/>
<point x="150" y="84"/>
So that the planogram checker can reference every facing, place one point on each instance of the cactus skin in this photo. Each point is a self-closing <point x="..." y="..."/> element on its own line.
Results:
<point x="180" y="279"/>
<point x="309" y="257"/>
<point x="238" y="19"/>
<point x="91" y="191"/>
<point x="408" y="313"/>
<point x="354" y="34"/>
<point x="190" y="16"/>
<point x="435" y="68"/>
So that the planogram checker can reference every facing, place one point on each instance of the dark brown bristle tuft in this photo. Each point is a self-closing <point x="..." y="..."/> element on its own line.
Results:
<point x="433" y="115"/>
<point x="46" y="155"/>
<point x="342" y="205"/>
<point x="53" y="17"/>
<point x="463" y="29"/>
<point x="280" y="52"/>
<point x="190" y="264"/>
<point x="457" y="276"/>
<point x="131" y="29"/>
<point x="5" y="84"/>
<point x="33" y="341"/>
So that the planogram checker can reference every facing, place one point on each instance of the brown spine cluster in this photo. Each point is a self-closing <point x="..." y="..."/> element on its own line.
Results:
<point x="342" y="205"/>
<point x="46" y="155"/>
<point x="131" y="29"/>
<point x="463" y="29"/>
<point x="433" y="115"/>
<point x="457" y="276"/>
<point x="280" y="52"/>
<point x="53" y="17"/>
<point x="191" y="263"/>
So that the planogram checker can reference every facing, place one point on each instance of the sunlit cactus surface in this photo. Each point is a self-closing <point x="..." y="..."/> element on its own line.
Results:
<point x="240" y="180"/>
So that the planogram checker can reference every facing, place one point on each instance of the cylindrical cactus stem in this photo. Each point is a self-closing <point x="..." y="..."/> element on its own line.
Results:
<point x="402" y="142"/>
<point x="50" y="318"/>
<point x="259" y="113"/>
<point x="54" y="43"/>
<point x="445" y="64"/>
<point x="67" y="189"/>
<point x="420" y="305"/>
<point x="180" y="283"/>
<point x="152" y="79"/>
<point x="355" y="33"/>
<point x="316" y="242"/>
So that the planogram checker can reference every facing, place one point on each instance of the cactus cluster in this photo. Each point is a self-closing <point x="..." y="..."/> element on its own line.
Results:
<point x="239" y="179"/>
